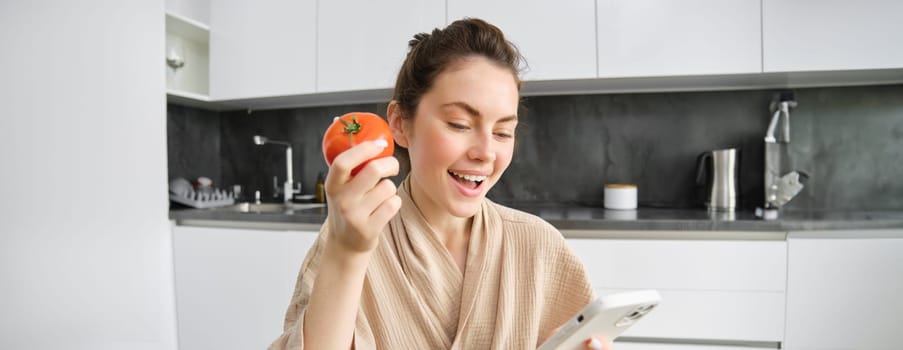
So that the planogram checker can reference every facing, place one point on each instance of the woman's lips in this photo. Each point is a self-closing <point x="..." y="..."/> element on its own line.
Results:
<point x="464" y="188"/>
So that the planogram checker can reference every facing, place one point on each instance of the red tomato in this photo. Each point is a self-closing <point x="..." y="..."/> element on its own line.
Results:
<point x="352" y="129"/>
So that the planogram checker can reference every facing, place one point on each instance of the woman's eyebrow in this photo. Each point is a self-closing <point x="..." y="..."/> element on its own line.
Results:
<point x="475" y="113"/>
<point x="466" y="107"/>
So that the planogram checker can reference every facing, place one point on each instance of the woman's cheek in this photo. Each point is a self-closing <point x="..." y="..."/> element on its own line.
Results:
<point x="504" y="156"/>
<point x="443" y="148"/>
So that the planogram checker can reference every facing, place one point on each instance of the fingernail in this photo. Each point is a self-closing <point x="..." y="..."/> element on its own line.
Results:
<point x="381" y="143"/>
<point x="594" y="344"/>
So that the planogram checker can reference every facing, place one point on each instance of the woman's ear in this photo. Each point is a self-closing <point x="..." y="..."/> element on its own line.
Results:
<point x="396" y="122"/>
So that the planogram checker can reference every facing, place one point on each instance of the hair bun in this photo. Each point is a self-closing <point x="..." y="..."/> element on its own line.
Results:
<point x="418" y="38"/>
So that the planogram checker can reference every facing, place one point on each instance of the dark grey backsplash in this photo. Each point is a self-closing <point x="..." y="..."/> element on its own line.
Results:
<point x="851" y="142"/>
<point x="193" y="143"/>
<point x="848" y="139"/>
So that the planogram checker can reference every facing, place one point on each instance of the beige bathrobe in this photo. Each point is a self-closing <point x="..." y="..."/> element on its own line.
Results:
<point x="520" y="283"/>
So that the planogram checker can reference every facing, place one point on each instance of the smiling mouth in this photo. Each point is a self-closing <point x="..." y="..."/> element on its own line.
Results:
<point x="470" y="181"/>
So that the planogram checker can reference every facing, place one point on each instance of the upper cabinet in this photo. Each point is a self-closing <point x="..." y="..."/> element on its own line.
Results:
<point x="811" y="35"/>
<point x="361" y="44"/>
<point x="692" y="37"/>
<point x="556" y="37"/>
<point x="262" y="48"/>
<point x="282" y="53"/>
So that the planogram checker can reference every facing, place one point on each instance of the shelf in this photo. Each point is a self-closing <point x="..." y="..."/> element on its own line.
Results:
<point x="191" y="99"/>
<point x="187" y="95"/>
<point x="187" y="28"/>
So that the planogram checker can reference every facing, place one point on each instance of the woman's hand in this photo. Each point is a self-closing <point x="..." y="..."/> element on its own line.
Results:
<point x="360" y="206"/>
<point x="597" y="344"/>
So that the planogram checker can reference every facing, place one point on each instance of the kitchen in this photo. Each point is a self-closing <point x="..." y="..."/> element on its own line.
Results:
<point x="91" y="253"/>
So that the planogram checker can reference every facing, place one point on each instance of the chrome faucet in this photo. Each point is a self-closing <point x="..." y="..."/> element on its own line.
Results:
<point x="288" y="189"/>
<point x="780" y="187"/>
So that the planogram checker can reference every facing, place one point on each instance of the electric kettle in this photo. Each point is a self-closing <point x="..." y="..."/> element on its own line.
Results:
<point x="717" y="173"/>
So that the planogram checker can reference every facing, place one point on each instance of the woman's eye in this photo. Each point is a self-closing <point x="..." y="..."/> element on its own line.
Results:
<point x="457" y="126"/>
<point x="505" y="134"/>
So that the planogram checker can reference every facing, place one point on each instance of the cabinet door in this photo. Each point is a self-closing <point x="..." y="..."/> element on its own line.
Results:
<point x="262" y="48"/>
<point x="233" y="286"/>
<point x="557" y="38"/>
<point x="844" y="293"/>
<point x="809" y="35"/>
<point x="361" y="44"/>
<point x="725" y="291"/>
<point x="620" y="345"/>
<point x="692" y="37"/>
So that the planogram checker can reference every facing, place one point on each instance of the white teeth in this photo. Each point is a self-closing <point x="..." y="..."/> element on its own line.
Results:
<point x="478" y="178"/>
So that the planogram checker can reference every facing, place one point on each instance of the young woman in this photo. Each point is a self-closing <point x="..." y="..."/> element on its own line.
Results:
<point x="432" y="263"/>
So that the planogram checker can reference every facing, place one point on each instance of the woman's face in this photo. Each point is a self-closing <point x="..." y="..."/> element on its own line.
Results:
<point x="463" y="136"/>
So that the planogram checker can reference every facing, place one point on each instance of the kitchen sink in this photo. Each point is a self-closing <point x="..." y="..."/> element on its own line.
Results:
<point x="287" y="208"/>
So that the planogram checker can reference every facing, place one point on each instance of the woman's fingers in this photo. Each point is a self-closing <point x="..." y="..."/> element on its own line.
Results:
<point x="386" y="210"/>
<point x="597" y="344"/>
<point x="377" y="195"/>
<point x="371" y="174"/>
<point x="344" y="163"/>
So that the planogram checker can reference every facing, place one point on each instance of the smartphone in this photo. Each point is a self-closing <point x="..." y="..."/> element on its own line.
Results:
<point x="607" y="317"/>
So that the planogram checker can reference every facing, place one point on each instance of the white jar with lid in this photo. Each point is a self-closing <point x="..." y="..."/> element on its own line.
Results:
<point x="620" y="196"/>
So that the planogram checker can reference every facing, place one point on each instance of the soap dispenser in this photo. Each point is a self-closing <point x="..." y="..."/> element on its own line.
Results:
<point x="320" y="189"/>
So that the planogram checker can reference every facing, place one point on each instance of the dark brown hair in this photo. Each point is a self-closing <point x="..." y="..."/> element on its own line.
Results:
<point x="431" y="54"/>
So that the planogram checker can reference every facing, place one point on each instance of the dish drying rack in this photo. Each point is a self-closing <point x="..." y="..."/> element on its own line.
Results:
<point x="212" y="198"/>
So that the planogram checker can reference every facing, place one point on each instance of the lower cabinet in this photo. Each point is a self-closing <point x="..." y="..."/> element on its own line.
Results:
<point x="844" y="292"/>
<point x="715" y="294"/>
<point x="618" y="345"/>
<point x="816" y="290"/>
<point x="234" y="285"/>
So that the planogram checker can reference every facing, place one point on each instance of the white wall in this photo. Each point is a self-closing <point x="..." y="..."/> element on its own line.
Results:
<point x="85" y="243"/>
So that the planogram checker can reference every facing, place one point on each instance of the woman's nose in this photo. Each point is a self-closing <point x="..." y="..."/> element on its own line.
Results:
<point x="481" y="148"/>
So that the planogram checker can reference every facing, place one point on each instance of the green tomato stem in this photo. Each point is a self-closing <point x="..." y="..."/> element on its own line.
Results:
<point x="351" y="128"/>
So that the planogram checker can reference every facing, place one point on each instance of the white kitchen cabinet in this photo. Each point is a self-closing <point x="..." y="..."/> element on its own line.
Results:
<point x="262" y="48"/>
<point x="844" y="292"/>
<point x="233" y="286"/>
<point x="812" y="35"/>
<point x="639" y="38"/>
<point x="557" y="38"/>
<point x="714" y="292"/>
<point x="621" y="345"/>
<point x="361" y="44"/>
